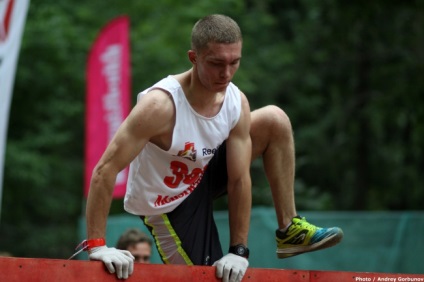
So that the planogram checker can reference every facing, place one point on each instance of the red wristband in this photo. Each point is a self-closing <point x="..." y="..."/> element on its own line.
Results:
<point x="92" y="243"/>
<point x="87" y="245"/>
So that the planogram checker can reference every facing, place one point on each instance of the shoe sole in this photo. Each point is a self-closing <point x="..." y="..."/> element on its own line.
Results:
<point x="294" y="251"/>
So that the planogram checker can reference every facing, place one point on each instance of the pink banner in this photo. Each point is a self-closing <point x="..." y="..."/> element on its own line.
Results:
<point x="108" y="96"/>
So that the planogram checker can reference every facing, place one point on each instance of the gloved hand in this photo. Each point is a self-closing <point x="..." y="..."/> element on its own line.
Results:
<point x="231" y="268"/>
<point x="114" y="259"/>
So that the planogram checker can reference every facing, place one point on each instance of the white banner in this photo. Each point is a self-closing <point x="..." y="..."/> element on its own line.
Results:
<point x="12" y="21"/>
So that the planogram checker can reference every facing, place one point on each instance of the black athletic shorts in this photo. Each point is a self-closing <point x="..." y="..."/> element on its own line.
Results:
<point x="188" y="235"/>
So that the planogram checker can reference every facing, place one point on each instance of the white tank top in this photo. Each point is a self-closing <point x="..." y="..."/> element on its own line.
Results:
<point x="160" y="180"/>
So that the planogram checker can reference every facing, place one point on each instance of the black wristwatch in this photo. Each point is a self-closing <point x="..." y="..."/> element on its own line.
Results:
<point x="240" y="250"/>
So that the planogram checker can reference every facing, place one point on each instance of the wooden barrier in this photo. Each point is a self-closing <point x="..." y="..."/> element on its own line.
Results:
<point x="42" y="270"/>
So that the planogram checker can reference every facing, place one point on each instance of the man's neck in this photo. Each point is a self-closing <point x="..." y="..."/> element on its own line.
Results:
<point x="204" y="102"/>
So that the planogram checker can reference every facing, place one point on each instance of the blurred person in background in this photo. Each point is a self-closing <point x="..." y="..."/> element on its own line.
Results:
<point x="137" y="243"/>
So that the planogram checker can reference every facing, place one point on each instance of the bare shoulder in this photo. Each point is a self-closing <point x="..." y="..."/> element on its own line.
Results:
<point x="156" y="98"/>
<point x="154" y="112"/>
<point x="244" y="102"/>
<point x="242" y="127"/>
<point x="157" y="102"/>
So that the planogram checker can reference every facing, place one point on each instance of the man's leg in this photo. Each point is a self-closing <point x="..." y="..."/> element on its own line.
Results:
<point x="272" y="138"/>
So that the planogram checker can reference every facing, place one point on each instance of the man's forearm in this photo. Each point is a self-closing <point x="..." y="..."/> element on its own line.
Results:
<point x="239" y="207"/>
<point x="98" y="205"/>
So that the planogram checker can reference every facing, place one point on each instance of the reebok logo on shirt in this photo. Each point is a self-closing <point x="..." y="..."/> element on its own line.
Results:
<point x="208" y="151"/>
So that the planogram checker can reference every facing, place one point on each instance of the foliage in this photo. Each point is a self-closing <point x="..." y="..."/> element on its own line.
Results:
<point x="347" y="74"/>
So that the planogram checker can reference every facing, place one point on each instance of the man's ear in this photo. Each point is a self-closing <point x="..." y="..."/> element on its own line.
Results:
<point x="192" y="56"/>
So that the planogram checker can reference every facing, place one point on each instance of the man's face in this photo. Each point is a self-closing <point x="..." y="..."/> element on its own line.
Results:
<point x="217" y="65"/>
<point x="141" y="251"/>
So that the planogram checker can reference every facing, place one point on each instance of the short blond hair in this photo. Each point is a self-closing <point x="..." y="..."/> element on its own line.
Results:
<point x="214" y="28"/>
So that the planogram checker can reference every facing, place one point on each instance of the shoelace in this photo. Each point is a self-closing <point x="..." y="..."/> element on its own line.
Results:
<point x="304" y="224"/>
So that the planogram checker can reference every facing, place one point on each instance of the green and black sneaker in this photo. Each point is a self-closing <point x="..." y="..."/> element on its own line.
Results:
<point x="302" y="237"/>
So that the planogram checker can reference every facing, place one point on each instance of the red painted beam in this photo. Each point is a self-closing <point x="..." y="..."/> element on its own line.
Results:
<point x="41" y="270"/>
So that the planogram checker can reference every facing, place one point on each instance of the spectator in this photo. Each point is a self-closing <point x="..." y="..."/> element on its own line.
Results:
<point x="137" y="243"/>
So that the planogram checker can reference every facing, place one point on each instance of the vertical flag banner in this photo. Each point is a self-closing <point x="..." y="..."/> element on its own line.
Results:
<point x="12" y="21"/>
<point x="108" y="96"/>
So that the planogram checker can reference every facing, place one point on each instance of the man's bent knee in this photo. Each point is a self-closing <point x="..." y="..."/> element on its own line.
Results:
<point x="271" y="118"/>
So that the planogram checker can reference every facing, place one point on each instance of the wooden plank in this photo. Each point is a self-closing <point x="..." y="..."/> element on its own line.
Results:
<point x="41" y="270"/>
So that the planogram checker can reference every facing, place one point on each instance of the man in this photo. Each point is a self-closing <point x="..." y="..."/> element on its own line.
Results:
<point x="137" y="243"/>
<point x="189" y="139"/>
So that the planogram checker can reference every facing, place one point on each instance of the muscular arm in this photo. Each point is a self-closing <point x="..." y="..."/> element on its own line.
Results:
<point x="152" y="117"/>
<point x="239" y="148"/>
